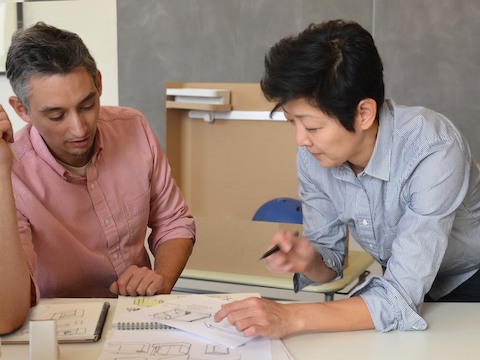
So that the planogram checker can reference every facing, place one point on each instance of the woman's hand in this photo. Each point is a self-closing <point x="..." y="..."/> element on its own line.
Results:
<point x="259" y="317"/>
<point x="296" y="253"/>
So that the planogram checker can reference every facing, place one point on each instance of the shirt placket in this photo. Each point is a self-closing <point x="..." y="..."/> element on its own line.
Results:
<point x="364" y="221"/>
<point x="106" y="220"/>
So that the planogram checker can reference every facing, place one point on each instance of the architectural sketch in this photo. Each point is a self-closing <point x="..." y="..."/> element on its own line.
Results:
<point x="180" y="314"/>
<point x="180" y="350"/>
<point x="69" y="322"/>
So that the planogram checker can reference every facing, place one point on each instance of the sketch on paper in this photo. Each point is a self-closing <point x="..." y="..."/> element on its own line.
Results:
<point x="69" y="321"/>
<point x="195" y="314"/>
<point x="178" y="313"/>
<point x="176" y="345"/>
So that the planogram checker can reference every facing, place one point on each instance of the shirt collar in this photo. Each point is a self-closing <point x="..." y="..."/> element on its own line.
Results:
<point x="379" y="164"/>
<point x="43" y="151"/>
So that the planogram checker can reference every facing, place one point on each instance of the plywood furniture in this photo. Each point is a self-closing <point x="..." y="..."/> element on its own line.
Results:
<point x="227" y="168"/>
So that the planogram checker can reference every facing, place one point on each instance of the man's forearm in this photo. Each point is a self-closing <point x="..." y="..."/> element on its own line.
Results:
<point x="170" y="260"/>
<point x="15" y="278"/>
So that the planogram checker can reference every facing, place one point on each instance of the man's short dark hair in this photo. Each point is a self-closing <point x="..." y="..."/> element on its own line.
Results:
<point x="333" y="65"/>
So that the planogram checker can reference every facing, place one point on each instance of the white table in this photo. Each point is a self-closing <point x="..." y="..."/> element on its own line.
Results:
<point x="454" y="330"/>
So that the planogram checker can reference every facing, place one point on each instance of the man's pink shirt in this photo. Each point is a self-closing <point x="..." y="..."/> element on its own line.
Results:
<point x="80" y="233"/>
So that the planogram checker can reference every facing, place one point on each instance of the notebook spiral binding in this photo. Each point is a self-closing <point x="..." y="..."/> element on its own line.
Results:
<point x="143" y="326"/>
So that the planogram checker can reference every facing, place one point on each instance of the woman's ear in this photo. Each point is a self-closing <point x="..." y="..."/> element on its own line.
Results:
<point x="366" y="113"/>
<point x="19" y="108"/>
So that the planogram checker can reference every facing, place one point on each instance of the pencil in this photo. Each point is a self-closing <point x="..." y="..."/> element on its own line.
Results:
<point x="274" y="249"/>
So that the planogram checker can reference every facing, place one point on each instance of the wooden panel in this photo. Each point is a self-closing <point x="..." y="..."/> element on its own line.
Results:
<point x="228" y="168"/>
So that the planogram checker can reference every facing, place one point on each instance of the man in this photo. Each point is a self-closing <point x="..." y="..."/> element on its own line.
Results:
<point x="401" y="178"/>
<point x="87" y="183"/>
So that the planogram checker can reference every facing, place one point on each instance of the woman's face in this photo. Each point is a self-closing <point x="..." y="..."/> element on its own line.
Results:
<point x="324" y="136"/>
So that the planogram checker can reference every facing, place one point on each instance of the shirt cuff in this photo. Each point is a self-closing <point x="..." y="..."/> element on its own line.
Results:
<point x="388" y="309"/>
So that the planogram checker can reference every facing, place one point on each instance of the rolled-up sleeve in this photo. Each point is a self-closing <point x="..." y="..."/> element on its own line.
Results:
<point x="170" y="217"/>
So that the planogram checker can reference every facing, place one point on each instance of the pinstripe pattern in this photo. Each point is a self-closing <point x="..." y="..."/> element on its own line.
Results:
<point x="415" y="208"/>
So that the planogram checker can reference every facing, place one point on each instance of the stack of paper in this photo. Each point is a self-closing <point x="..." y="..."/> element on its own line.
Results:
<point x="188" y="330"/>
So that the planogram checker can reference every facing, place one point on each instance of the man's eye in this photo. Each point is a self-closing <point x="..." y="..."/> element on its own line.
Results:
<point x="56" y="117"/>
<point x="88" y="107"/>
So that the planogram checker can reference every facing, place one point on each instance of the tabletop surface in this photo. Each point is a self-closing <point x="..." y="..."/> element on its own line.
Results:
<point x="454" y="329"/>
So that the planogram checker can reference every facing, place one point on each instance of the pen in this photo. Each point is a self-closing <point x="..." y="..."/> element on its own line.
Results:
<point x="274" y="249"/>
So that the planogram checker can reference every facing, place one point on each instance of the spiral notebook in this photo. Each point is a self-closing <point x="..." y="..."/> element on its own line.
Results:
<point x="127" y="306"/>
<point x="125" y="316"/>
<point x="77" y="322"/>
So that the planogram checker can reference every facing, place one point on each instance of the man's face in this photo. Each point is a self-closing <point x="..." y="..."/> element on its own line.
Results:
<point x="323" y="136"/>
<point x="65" y="109"/>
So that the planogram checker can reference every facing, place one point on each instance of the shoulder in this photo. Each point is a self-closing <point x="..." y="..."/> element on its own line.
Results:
<point x="120" y="117"/>
<point x="422" y="129"/>
<point x="113" y="113"/>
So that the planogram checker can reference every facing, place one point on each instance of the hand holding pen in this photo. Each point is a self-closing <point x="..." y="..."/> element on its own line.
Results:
<point x="275" y="248"/>
<point x="293" y="253"/>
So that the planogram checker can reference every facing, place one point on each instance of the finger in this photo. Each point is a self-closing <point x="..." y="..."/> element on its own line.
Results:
<point x="133" y="284"/>
<point x="114" y="288"/>
<point x="124" y="283"/>
<point x="156" y="286"/>
<point x="229" y="308"/>
<point x="279" y="264"/>
<point x="6" y="129"/>
<point x="150" y="285"/>
<point x="285" y="240"/>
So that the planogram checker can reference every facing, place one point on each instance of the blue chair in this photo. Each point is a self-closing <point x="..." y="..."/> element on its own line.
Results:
<point x="282" y="210"/>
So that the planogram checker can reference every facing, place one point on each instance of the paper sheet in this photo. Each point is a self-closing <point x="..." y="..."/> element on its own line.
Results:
<point x="179" y="345"/>
<point x="194" y="314"/>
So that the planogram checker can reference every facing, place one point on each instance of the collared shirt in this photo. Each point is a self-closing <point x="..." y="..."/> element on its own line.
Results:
<point x="79" y="233"/>
<point x="415" y="208"/>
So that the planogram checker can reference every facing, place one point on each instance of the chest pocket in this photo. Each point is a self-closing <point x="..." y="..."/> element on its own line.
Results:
<point x="136" y="212"/>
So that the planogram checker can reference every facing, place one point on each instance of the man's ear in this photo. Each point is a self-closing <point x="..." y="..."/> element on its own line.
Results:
<point x="366" y="113"/>
<point x="19" y="108"/>
<point x="99" y="82"/>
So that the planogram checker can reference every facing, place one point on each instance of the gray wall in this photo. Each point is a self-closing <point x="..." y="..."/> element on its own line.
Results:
<point x="429" y="48"/>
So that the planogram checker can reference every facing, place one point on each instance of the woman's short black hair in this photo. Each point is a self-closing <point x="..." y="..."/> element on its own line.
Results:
<point x="333" y="65"/>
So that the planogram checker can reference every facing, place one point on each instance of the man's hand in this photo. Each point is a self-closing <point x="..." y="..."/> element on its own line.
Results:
<point x="6" y="136"/>
<point x="138" y="281"/>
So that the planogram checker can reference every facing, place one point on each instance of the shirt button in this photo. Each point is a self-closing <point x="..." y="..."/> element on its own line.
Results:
<point x="106" y="221"/>
<point x="92" y="186"/>
<point x="365" y="222"/>
<point x="115" y="256"/>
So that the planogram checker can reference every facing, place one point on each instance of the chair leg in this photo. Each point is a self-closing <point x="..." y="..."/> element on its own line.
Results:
<point x="329" y="296"/>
